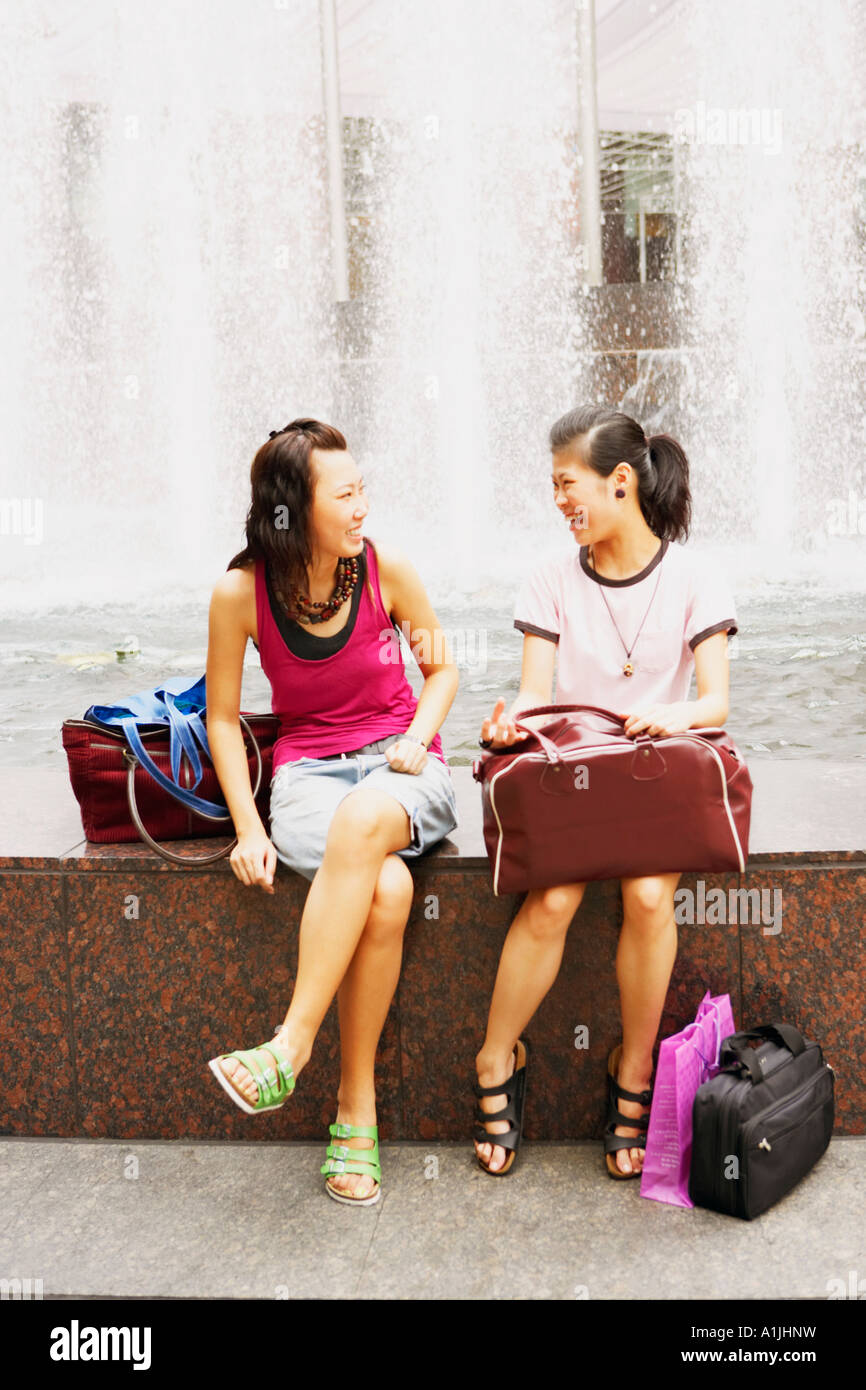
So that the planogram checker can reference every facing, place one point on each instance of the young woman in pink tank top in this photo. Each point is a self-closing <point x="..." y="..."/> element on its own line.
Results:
<point x="360" y="782"/>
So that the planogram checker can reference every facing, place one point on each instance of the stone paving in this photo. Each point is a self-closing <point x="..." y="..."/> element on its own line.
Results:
<point x="239" y="1220"/>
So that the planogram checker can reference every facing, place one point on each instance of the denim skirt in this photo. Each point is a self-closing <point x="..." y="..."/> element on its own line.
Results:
<point x="305" y="794"/>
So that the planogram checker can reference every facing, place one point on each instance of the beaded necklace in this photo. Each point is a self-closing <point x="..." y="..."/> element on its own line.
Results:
<point x="348" y="570"/>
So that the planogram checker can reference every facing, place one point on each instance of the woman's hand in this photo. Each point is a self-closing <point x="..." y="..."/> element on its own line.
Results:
<point x="254" y="860"/>
<point x="499" y="730"/>
<point x="406" y="755"/>
<point x="660" y="719"/>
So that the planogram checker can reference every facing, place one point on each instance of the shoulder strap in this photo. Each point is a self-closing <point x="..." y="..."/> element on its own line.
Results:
<point x="371" y="563"/>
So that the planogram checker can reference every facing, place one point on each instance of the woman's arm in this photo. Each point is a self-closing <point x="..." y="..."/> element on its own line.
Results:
<point x="536" y="688"/>
<point x="404" y="592"/>
<point x="254" y="858"/>
<point x="709" y="710"/>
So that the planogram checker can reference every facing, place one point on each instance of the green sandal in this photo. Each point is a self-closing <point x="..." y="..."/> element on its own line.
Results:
<point x="338" y="1161"/>
<point x="274" y="1086"/>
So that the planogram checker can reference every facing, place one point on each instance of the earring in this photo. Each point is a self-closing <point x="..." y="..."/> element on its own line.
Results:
<point x="620" y="492"/>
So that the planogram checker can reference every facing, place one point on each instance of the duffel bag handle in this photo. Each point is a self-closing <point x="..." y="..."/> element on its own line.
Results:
<point x="180" y="794"/>
<point x="617" y="719"/>
<point x="736" y="1047"/>
<point x="552" y="752"/>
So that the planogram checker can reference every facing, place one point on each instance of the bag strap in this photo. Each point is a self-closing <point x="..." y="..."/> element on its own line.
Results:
<point x="189" y="723"/>
<point x="180" y="736"/>
<point x="194" y="721"/>
<point x="184" y="859"/>
<point x="183" y="724"/>
<point x="736" y="1047"/>
<point x="210" y="809"/>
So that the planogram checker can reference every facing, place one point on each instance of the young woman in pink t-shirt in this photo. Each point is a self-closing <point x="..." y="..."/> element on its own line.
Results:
<point x="630" y="613"/>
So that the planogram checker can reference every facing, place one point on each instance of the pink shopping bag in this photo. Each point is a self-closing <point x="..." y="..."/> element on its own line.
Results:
<point x="686" y="1061"/>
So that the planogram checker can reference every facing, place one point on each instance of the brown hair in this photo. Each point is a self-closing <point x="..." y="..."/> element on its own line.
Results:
<point x="281" y="476"/>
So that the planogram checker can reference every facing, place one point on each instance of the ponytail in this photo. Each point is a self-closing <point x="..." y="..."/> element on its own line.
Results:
<point x="667" y="508"/>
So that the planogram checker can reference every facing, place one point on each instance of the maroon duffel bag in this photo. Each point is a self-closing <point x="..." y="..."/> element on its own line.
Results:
<point x="581" y="800"/>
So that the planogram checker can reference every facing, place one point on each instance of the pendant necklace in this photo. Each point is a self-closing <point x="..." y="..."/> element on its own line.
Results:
<point x="628" y="667"/>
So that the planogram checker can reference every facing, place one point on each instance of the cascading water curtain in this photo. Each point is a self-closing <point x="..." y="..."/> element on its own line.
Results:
<point x="473" y="321"/>
<point x="774" y="291"/>
<point x="167" y="260"/>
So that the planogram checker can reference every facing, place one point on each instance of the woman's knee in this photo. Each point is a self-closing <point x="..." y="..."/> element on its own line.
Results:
<point x="392" y="900"/>
<point x="365" y="819"/>
<point x="647" y="898"/>
<point x="549" y="910"/>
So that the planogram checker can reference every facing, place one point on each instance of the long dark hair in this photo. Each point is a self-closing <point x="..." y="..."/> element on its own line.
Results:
<point x="282" y="477"/>
<point x="609" y="438"/>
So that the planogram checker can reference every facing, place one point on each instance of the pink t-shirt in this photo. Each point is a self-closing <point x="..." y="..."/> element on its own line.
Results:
<point x="680" y="599"/>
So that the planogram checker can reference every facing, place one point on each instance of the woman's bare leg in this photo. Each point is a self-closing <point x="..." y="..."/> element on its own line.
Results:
<point x="644" y="962"/>
<point x="364" y="998"/>
<point x="528" y="966"/>
<point x="367" y="825"/>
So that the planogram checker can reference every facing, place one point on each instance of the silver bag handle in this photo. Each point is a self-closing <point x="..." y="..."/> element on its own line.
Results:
<point x="185" y="859"/>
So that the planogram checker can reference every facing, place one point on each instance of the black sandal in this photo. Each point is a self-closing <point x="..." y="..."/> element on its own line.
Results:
<point x="612" y="1141"/>
<point x="515" y="1090"/>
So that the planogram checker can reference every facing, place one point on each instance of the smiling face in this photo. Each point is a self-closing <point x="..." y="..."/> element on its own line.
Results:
<point x="339" y="504"/>
<point x="585" y="499"/>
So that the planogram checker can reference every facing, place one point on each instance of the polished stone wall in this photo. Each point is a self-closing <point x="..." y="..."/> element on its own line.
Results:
<point x="123" y="974"/>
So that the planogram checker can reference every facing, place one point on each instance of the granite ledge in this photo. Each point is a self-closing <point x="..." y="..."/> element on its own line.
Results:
<point x="803" y="813"/>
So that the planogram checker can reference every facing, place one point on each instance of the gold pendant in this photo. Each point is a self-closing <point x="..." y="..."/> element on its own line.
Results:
<point x="628" y="669"/>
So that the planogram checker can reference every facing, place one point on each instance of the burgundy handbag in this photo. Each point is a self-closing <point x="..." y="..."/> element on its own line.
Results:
<point x="120" y="801"/>
<point x="581" y="800"/>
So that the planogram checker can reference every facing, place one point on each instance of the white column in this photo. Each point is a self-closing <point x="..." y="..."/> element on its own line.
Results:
<point x="590" y="188"/>
<point x="334" y="145"/>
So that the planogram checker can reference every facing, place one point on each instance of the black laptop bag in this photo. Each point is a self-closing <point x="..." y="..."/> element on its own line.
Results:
<point x="762" y="1122"/>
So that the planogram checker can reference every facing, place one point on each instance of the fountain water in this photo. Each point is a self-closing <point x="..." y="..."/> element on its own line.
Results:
<point x="169" y="291"/>
<point x="773" y="289"/>
<point x="474" y="318"/>
<point x="170" y="299"/>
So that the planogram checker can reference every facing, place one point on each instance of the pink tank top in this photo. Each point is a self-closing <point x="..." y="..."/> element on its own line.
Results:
<point x="337" y="703"/>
